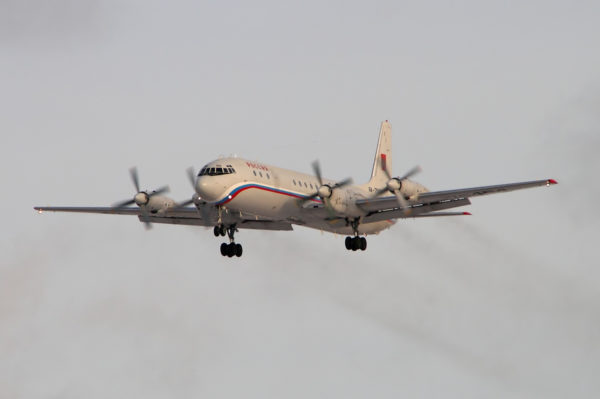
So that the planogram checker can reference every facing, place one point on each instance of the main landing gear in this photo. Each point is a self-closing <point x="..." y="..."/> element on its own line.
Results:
<point x="355" y="243"/>
<point x="231" y="249"/>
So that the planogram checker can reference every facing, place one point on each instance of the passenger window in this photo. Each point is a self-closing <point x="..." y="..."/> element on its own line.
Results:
<point x="268" y="177"/>
<point x="294" y="182"/>
<point x="305" y="185"/>
<point x="254" y="172"/>
<point x="260" y="173"/>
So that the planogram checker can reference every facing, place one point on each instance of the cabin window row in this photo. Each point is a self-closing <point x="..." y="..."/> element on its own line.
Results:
<point x="307" y="185"/>
<point x="261" y="174"/>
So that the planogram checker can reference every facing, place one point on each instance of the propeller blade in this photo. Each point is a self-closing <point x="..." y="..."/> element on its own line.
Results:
<point x="204" y="209"/>
<point x="122" y="204"/>
<point x="317" y="169"/>
<point x="387" y="174"/>
<point x="402" y="202"/>
<point x="343" y="183"/>
<point x="135" y="178"/>
<point x="205" y="212"/>
<point x="191" y="176"/>
<point x="411" y="173"/>
<point x="163" y="189"/>
<point x="310" y="197"/>
<point x="379" y="192"/>
<point x="146" y="218"/>
<point x="328" y="208"/>
<point x="183" y="204"/>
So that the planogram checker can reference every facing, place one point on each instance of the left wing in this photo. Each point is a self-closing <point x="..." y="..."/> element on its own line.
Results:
<point x="384" y="208"/>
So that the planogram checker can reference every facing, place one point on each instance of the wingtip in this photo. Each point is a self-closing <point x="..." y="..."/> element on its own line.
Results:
<point x="467" y="214"/>
<point x="551" y="181"/>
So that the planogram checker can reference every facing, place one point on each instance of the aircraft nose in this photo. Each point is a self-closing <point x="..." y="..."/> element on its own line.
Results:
<point x="206" y="188"/>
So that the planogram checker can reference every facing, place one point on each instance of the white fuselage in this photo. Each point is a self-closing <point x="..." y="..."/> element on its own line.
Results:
<point x="256" y="189"/>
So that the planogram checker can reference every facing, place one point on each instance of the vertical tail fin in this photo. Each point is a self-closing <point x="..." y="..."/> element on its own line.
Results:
<point x="383" y="155"/>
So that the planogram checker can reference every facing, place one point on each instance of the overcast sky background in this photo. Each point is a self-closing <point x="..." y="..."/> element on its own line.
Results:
<point x="505" y="303"/>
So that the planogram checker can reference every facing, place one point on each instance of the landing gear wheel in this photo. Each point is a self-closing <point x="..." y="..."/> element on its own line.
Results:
<point x="224" y="248"/>
<point x="231" y="250"/>
<point x="348" y="243"/>
<point x="363" y="243"/>
<point x="355" y="243"/>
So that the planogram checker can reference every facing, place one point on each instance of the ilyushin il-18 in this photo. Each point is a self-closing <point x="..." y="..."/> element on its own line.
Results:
<point x="233" y="193"/>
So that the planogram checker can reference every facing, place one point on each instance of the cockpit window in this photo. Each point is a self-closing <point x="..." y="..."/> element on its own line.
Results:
<point x="216" y="171"/>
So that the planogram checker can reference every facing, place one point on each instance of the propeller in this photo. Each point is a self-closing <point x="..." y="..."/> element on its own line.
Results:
<point x="196" y="199"/>
<point x="325" y="191"/>
<point x="141" y="198"/>
<point x="192" y="178"/>
<point x="394" y="184"/>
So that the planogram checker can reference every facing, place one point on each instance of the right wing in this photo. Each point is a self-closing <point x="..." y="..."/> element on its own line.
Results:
<point x="188" y="216"/>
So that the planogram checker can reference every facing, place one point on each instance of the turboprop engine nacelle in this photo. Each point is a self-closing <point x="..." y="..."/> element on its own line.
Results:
<point x="411" y="189"/>
<point x="343" y="203"/>
<point x="159" y="203"/>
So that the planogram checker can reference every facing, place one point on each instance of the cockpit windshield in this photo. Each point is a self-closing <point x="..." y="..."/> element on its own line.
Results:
<point x="216" y="170"/>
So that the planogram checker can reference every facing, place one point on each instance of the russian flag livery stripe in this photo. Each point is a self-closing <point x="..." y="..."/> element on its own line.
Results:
<point x="236" y="191"/>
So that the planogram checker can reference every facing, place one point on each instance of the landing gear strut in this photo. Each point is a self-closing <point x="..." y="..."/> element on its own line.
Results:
<point x="231" y="249"/>
<point x="355" y="243"/>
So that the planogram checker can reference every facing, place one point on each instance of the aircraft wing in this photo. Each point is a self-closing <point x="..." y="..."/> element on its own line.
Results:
<point x="188" y="216"/>
<point x="384" y="208"/>
<point x="477" y="191"/>
<point x="89" y="209"/>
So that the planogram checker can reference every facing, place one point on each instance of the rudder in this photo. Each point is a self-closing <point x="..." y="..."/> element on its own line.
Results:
<point x="383" y="155"/>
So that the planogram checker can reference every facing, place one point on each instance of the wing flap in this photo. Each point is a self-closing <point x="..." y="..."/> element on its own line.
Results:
<point x="244" y="224"/>
<point x="415" y="211"/>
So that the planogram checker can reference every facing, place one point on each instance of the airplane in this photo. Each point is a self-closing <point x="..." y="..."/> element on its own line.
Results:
<point x="232" y="193"/>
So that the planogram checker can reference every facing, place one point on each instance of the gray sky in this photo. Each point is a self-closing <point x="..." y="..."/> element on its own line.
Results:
<point x="501" y="304"/>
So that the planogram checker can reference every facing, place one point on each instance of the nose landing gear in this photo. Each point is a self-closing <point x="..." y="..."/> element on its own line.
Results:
<point x="219" y="230"/>
<point x="232" y="249"/>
